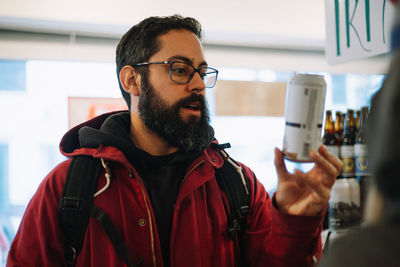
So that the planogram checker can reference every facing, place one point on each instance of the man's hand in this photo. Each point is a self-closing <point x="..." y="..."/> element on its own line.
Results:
<point x="306" y="193"/>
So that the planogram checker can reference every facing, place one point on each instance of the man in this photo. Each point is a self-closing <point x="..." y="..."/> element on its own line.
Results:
<point x="163" y="196"/>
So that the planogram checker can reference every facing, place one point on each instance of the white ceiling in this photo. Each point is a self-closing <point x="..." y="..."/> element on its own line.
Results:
<point x="250" y="23"/>
<point x="288" y="34"/>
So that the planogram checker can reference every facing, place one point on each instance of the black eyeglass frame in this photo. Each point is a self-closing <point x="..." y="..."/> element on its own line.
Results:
<point x="170" y="62"/>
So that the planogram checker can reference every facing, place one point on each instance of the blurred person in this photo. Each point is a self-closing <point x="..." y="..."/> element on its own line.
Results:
<point x="163" y="196"/>
<point x="377" y="242"/>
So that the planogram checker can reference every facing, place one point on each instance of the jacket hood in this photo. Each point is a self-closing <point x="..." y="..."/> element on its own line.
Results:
<point x="89" y="134"/>
<point x="110" y="130"/>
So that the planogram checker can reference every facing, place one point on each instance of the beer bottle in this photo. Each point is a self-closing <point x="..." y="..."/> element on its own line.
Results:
<point x="341" y="125"/>
<point x="337" y="126"/>
<point x="361" y="157"/>
<point x="339" y="133"/>
<point x="339" y="206"/>
<point x="360" y="138"/>
<point x="330" y="139"/>
<point x="347" y="152"/>
<point x="358" y="112"/>
<point x="347" y="146"/>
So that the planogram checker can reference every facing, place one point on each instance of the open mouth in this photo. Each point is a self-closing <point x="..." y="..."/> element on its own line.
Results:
<point x="193" y="106"/>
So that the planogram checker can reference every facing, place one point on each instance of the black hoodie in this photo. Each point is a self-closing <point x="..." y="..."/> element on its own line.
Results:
<point x="161" y="175"/>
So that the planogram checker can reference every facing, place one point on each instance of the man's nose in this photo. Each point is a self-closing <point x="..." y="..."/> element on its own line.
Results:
<point x="197" y="83"/>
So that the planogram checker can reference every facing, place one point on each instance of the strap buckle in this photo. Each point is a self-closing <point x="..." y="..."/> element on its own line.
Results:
<point x="221" y="146"/>
<point x="233" y="229"/>
<point x="242" y="212"/>
<point x="234" y="225"/>
<point x="70" y="203"/>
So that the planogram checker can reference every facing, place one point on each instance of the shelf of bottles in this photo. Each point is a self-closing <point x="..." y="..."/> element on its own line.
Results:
<point x="344" y="136"/>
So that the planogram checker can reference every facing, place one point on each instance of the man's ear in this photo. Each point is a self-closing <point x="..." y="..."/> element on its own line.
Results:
<point x="130" y="80"/>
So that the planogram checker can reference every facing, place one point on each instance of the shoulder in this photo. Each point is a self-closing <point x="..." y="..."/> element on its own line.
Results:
<point x="250" y="177"/>
<point x="258" y="194"/>
<point x="53" y="183"/>
<point x="257" y="190"/>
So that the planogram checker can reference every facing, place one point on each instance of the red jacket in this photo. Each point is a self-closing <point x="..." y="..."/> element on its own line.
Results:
<point x="198" y="234"/>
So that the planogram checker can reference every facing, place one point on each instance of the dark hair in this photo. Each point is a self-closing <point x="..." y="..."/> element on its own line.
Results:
<point x="140" y="42"/>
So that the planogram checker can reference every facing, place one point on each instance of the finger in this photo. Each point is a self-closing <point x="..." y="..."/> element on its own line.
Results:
<point x="331" y="158"/>
<point x="315" y="184"/>
<point x="325" y="165"/>
<point x="280" y="164"/>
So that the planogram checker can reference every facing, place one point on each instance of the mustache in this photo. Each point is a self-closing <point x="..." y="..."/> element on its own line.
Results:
<point x="192" y="98"/>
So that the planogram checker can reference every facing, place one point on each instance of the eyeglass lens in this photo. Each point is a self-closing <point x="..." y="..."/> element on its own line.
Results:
<point x="183" y="73"/>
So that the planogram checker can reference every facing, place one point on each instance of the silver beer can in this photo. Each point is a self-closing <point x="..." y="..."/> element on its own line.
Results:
<point x="304" y="111"/>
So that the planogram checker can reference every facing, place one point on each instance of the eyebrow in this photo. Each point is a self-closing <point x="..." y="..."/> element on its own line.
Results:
<point x="187" y="60"/>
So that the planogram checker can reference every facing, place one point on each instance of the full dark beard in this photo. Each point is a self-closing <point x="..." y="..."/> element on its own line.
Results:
<point x="192" y="136"/>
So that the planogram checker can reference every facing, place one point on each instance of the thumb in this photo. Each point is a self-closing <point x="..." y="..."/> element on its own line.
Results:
<point x="280" y="164"/>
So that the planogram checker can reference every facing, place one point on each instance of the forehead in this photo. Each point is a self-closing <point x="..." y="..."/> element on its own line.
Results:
<point x="180" y="43"/>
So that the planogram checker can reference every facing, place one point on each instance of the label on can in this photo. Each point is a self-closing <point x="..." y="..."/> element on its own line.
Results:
<point x="361" y="160"/>
<point x="347" y="155"/>
<point x="305" y="100"/>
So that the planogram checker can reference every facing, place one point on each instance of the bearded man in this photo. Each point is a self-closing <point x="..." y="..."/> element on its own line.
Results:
<point x="163" y="197"/>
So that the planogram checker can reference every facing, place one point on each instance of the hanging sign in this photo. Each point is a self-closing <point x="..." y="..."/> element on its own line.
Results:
<point x="357" y="29"/>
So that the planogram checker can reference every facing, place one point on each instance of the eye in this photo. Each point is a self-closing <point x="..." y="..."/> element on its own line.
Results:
<point x="204" y="72"/>
<point x="178" y="71"/>
<point x="203" y="75"/>
<point x="181" y="69"/>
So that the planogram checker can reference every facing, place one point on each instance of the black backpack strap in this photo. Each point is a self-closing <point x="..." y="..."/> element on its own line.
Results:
<point x="231" y="180"/>
<point x="113" y="236"/>
<point x="76" y="207"/>
<point x="76" y="203"/>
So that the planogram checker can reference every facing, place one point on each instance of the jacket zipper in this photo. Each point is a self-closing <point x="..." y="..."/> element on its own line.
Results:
<point x="190" y="171"/>
<point x="148" y="209"/>
<point x="150" y="220"/>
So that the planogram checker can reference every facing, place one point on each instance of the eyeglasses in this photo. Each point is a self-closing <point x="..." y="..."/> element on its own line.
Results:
<point x="182" y="72"/>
